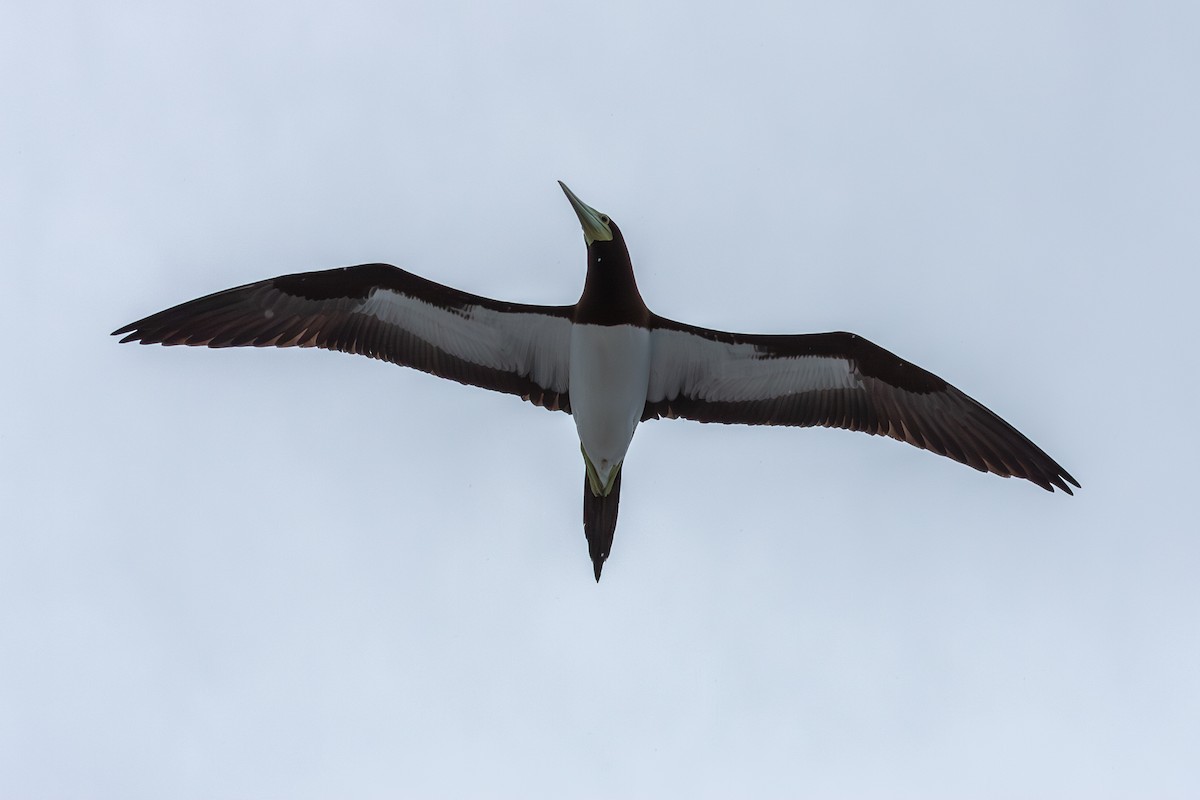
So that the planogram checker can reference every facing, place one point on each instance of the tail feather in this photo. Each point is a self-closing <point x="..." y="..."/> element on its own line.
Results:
<point x="600" y="521"/>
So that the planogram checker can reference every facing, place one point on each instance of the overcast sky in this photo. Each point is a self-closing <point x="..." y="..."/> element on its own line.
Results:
<point x="265" y="573"/>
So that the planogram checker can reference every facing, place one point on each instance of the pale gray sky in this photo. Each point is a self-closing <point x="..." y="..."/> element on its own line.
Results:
<point x="305" y="575"/>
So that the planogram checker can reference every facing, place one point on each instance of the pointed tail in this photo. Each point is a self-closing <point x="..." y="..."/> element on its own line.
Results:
<point x="599" y="521"/>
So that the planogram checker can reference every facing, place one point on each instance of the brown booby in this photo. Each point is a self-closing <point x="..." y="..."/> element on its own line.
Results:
<point x="609" y="362"/>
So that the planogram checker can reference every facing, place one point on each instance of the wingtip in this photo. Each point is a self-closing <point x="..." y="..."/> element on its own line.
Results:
<point x="132" y="332"/>
<point x="1062" y="480"/>
<point x="1048" y="483"/>
<point x="597" y="566"/>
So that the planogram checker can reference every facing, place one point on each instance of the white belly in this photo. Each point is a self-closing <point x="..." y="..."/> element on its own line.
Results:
<point x="610" y="373"/>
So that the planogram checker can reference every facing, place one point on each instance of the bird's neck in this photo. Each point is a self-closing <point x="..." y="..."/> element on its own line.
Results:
<point x="610" y="292"/>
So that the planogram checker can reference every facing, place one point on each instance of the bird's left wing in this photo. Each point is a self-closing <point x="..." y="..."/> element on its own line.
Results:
<point x="836" y="380"/>
<point x="384" y="312"/>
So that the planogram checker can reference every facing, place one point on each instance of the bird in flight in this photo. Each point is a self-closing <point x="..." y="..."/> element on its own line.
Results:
<point x="608" y="361"/>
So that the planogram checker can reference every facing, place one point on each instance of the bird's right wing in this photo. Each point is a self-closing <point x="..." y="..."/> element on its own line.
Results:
<point x="384" y="312"/>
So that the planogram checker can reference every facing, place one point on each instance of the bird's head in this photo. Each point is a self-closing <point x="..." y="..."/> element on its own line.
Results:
<point x="597" y="227"/>
<point x="610" y="291"/>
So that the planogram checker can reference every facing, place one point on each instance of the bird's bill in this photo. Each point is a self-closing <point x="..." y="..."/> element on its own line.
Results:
<point x="595" y="225"/>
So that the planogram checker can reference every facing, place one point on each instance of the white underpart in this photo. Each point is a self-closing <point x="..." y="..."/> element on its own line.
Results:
<point x="536" y="346"/>
<point x="718" y="372"/>
<point x="610" y="370"/>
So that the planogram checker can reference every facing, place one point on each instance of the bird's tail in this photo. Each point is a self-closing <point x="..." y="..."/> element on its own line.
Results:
<point x="600" y="520"/>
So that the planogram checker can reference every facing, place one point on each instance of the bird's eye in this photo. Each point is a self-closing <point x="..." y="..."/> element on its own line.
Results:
<point x="604" y="218"/>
